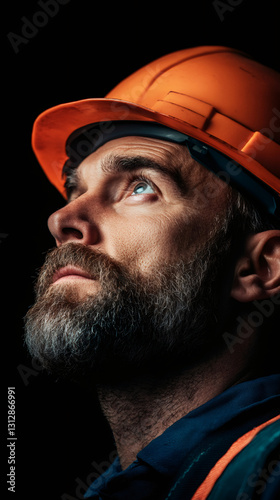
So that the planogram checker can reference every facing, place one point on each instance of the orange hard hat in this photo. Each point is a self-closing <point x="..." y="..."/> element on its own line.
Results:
<point x="217" y="97"/>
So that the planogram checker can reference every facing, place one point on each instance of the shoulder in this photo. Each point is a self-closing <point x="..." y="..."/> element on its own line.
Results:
<point x="255" y="471"/>
<point x="249" y="469"/>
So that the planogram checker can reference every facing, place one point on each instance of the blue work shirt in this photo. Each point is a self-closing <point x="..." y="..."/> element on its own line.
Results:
<point x="193" y="444"/>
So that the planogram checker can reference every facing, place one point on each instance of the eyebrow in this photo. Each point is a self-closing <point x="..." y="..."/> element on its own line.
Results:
<point x="119" y="164"/>
<point x="114" y="164"/>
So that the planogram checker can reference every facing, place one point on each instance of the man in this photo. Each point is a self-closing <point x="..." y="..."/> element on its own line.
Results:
<point x="164" y="288"/>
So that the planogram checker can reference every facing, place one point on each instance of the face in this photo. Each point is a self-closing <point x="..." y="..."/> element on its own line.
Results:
<point x="138" y="245"/>
<point x="136" y="201"/>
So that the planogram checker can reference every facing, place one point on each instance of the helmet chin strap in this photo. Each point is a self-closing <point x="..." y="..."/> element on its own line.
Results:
<point x="86" y="140"/>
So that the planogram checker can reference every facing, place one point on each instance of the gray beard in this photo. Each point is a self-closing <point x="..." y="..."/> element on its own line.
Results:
<point x="134" y="325"/>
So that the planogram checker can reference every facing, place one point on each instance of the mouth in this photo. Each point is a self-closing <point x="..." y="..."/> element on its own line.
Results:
<point x="70" y="273"/>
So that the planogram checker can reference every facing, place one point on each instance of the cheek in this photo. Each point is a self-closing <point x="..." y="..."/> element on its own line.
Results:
<point x="147" y="243"/>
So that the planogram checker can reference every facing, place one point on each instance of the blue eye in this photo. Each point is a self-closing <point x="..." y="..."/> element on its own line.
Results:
<point x="142" y="188"/>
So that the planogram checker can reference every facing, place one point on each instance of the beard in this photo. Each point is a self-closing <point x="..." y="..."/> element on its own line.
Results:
<point x="134" y="324"/>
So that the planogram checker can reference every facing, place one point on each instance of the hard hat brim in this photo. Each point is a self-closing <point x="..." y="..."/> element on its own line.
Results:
<point x="53" y="127"/>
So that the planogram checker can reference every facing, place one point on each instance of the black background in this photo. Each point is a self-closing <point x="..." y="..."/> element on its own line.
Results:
<point x="82" y="51"/>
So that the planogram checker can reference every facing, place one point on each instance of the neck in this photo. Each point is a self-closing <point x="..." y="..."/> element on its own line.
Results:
<point x="141" y="410"/>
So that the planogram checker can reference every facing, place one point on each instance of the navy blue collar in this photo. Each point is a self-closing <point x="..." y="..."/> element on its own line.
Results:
<point x="166" y="452"/>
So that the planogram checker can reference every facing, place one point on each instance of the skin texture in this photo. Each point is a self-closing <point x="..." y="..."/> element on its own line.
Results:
<point x="146" y="223"/>
<point x="142" y="229"/>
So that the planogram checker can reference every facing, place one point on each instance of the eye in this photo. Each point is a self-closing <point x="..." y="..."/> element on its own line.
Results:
<point x="142" y="187"/>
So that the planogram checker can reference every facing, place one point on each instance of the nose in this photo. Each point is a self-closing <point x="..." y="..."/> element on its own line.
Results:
<point x="73" y="223"/>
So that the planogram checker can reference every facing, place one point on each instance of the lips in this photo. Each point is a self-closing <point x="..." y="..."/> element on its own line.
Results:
<point x="70" y="272"/>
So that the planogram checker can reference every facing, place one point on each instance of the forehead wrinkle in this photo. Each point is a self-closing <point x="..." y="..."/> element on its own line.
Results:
<point x="174" y="162"/>
<point x="160" y="152"/>
<point x="116" y="163"/>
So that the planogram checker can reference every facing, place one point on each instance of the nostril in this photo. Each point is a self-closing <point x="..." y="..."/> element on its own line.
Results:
<point x="73" y="232"/>
<point x="73" y="223"/>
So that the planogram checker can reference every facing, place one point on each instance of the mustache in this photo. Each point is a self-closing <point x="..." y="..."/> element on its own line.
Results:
<point x="93" y="262"/>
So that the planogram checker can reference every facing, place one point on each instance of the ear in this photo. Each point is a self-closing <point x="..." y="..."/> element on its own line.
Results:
<point x="257" y="272"/>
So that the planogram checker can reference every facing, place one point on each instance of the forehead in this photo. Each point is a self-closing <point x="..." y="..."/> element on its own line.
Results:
<point x="155" y="149"/>
<point x="173" y="158"/>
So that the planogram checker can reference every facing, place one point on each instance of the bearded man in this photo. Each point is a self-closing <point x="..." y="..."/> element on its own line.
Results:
<point x="163" y="290"/>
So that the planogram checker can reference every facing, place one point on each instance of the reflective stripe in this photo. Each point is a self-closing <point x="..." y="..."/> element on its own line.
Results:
<point x="206" y="487"/>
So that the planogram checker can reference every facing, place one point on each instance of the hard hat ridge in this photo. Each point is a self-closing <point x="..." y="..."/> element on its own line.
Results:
<point x="218" y="96"/>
